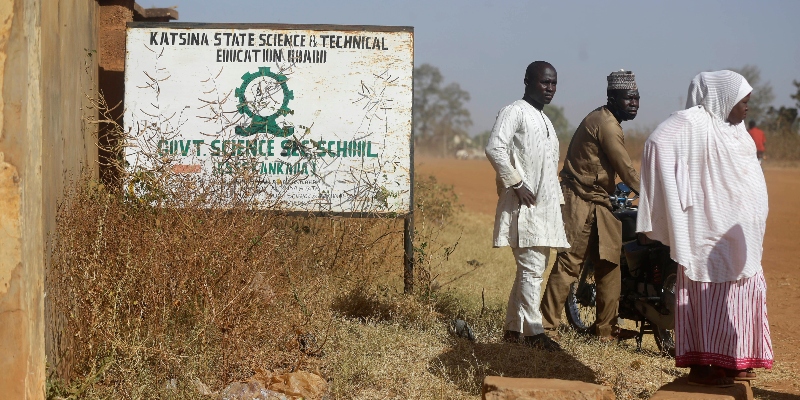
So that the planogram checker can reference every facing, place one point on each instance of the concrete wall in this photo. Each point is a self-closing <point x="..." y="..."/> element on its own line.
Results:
<point x="46" y="72"/>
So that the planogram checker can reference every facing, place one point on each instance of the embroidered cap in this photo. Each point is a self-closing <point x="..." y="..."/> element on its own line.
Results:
<point x="624" y="80"/>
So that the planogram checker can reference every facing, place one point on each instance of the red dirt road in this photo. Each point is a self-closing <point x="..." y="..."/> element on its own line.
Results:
<point x="473" y="181"/>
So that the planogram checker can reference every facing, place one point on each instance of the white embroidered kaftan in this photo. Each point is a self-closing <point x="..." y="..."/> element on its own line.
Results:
<point x="523" y="147"/>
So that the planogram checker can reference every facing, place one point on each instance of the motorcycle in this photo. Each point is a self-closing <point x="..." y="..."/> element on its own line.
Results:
<point x="648" y="282"/>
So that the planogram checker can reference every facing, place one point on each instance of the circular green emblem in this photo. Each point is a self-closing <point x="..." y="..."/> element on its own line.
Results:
<point x="264" y="96"/>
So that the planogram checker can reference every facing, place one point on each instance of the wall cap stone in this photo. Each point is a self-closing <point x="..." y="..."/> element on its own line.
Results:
<point x="503" y="388"/>
<point x="681" y="389"/>
<point x="155" y="13"/>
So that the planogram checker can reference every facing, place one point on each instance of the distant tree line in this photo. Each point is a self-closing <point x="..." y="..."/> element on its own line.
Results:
<point x="440" y="114"/>
<point x="775" y="121"/>
<point x="441" y="118"/>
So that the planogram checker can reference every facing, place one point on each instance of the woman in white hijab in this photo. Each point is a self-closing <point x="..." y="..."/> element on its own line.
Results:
<point x="703" y="194"/>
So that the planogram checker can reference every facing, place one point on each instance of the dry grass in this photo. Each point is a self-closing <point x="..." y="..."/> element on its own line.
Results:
<point x="152" y="296"/>
<point x="783" y="148"/>
<point x="155" y="298"/>
<point x="163" y="289"/>
<point x="476" y="272"/>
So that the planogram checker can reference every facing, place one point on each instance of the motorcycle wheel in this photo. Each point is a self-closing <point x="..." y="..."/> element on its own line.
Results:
<point x="665" y="338"/>
<point x="581" y="302"/>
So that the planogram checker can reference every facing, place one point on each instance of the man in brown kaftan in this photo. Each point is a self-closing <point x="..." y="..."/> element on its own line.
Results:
<point x="596" y="155"/>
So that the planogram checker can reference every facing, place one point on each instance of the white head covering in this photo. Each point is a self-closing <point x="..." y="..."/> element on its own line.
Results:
<point x="703" y="191"/>
<point x="717" y="92"/>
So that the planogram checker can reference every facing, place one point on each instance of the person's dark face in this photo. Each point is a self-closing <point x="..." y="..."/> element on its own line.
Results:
<point x="625" y="104"/>
<point x="542" y="87"/>
<point x="739" y="111"/>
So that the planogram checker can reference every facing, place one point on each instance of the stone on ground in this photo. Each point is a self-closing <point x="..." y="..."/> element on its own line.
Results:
<point x="501" y="388"/>
<point x="251" y="390"/>
<point x="270" y="385"/>
<point x="681" y="389"/>
<point x="298" y="384"/>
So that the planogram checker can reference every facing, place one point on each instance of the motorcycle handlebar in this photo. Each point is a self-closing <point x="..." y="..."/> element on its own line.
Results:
<point x="622" y="201"/>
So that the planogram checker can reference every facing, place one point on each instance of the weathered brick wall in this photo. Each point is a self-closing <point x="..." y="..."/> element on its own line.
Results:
<point x="114" y="15"/>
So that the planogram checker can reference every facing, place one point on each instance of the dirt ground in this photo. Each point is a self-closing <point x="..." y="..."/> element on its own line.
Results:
<point x="474" y="182"/>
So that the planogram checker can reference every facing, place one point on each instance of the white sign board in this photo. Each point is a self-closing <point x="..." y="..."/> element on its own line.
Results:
<point x="319" y="115"/>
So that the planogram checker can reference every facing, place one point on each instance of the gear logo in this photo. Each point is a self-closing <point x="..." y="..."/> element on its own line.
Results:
<point x="264" y="96"/>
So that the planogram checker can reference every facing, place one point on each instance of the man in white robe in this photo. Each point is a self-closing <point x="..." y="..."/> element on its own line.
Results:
<point x="523" y="149"/>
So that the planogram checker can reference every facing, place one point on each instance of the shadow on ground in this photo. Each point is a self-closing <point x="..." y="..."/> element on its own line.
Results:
<point x="467" y="363"/>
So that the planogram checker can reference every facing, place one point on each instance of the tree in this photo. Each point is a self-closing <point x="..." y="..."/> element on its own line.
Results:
<point x="783" y="120"/>
<point x="761" y="97"/>
<point x="426" y="108"/>
<point x="559" y="120"/>
<point x="439" y="111"/>
<point x="482" y="139"/>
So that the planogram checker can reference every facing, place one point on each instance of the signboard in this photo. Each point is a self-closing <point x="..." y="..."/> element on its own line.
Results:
<point x="317" y="116"/>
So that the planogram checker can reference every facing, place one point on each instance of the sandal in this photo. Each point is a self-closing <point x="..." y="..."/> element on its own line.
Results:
<point x="741" y="374"/>
<point x="618" y="334"/>
<point x="709" y="376"/>
<point x="543" y="342"/>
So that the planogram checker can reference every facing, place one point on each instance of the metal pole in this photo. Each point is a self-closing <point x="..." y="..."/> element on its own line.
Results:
<point x="408" y="254"/>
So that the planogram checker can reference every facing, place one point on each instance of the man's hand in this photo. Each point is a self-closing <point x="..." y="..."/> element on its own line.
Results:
<point x="525" y="196"/>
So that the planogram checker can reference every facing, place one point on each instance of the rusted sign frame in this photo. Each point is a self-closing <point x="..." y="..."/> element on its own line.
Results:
<point x="310" y="27"/>
<point x="408" y="219"/>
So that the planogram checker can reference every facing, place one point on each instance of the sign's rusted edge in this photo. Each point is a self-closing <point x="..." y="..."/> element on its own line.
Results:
<point x="310" y="27"/>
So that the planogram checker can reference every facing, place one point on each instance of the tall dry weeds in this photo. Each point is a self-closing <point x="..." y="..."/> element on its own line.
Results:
<point x="151" y="294"/>
<point x="163" y="276"/>
<point x="783" y="146"/>
<point x="164" y="279"/>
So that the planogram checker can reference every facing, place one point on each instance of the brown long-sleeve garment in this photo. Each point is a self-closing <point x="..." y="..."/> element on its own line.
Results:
<point x="596" y="155"/>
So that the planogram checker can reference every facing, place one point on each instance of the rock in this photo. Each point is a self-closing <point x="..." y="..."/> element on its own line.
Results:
<point x="299" y="384"/>
<point x="252" y="390"/>
<point x="501" y="388"/>
<point x="681" y="389"/>
<point x="201" y="387"/>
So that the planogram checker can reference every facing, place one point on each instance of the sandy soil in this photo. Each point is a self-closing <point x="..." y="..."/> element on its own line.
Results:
<point x="474" y="182"/>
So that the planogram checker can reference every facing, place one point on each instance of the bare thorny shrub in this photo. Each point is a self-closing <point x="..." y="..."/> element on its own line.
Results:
<point x="436" y="205"/>
<point x="172" y="278"/>
<point x="165" y="293"/>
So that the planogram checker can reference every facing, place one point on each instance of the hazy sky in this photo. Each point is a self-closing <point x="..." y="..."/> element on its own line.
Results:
<point x="486" y="45"/>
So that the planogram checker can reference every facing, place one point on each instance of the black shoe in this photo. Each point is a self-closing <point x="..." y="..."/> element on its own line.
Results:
<point x="543" y="342"/>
